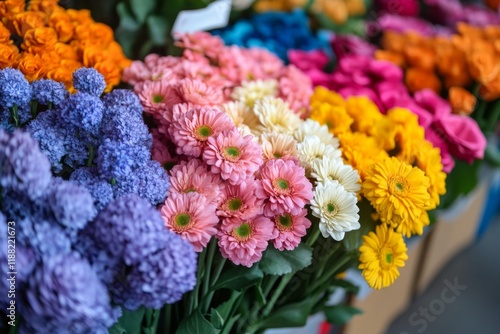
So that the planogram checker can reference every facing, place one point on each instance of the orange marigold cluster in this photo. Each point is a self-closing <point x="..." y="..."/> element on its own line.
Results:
<point x="44" y="40"/>
<point x="470" y="56"/>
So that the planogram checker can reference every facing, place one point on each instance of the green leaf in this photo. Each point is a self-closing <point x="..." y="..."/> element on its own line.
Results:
<point x="128" y="29"/>
<point x="141" y="8"/>
<point x="216" y="319"/>
<point x="291" y="315"/>
<point x="129" y="322"/>
<point x="238" y="278"/>
<point x="225" y="308"/>
<point x="353" y="239"/>
<point x="158" y="30"/>
<point x="196" y="323"/>
<point x="275" y="262"/>
<point x="259" y="294"/>
<point x="340" y="314"/>
<point x="230" y="323"/>
<point x="461" y="180"/>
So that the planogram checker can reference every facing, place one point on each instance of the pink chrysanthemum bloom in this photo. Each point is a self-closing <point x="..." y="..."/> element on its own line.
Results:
<point x="202" y="42"/>
<point x="160" y="152"/>
<point x="238" y="202"/>
<point x="157" y="96"/>
<point x="191" y="130"/>
<point x="295" y="87"/>
<point x="191" y="216"/>
<point x="197" y="92"/>
<point x="233" y="156"/>
<point x="285" y="188"/>
<point x="136" y="73"/>
<point x="265" y="64"/>
<point x="193" y="176"/>
<point x="244" y="244"/>
<point x="178" y="110"/>
<point x="290" y="229"/>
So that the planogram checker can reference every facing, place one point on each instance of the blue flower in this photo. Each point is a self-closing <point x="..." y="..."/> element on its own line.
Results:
<point x="23" y="167"/>
<point x="129" y="228"/>
<point x="45" y="237"/>
<point x="47" y="129"/>
<point x="116" y="160"/>
<point x="71" y="204"/>
<point x="100" y="190"/>
<point x="127" y="128"/>
<point x="153" y="182"/>
<point x="121" y="101"/>
<point x="161" y="277"/>
<point x="64" y="295"/>
<point x="47" y="91"/>
<point x="89" y="80"/>
<point x="83" y="111"/>
<point x="16" y="90"/>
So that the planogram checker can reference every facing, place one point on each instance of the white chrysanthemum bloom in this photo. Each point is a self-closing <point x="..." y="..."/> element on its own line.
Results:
<point x="277" y="145"/>
<point x="336" y="209"/>
<point x="335" y="170"/>
<point x="243" y="117"/>
<point x="251" y="91"/>
<point x="312" y="148"/>
<point x="242" y="4"/>
<point x="276" y="115"/>
<point x="312" y="128"/>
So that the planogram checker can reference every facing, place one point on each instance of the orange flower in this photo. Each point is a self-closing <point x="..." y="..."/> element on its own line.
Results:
<point x="484" y="66"/>
<point x="491" y="90"/>
<point x="335" y="10"/>
<point x="40" y="39"/>
<point x="393" y="41"/>
<point x="116" y="53"/>
<point x="111" y="73"/>
<point x="493" y="4"/>
<point x="393" y="57"/>
<point x="63" y="75"/>
<point x="61" y="22"/>
<point x="4" y="35"/>
<point x="28" y="20"/>
<point x="461" y="79"/>
<point x="65" y="51"/>
<point x="417" y="56"/>
<point x="8" y="55"/>
<point x="80" y="17"/>
<point x="46" y="6"/>
<point x="32" y="66"/>
<point x="461" y="100"/>
<point x="355" y="7"/>
<point x="417" y="79"/>
<point x="9" y="8"/>
<point x="93" y="55"/>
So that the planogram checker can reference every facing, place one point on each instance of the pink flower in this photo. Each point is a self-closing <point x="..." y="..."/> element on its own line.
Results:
<point x="157" y="96"/>
<point x="136" y="73"/>
<point x="433" y="103"/>
<point x="284" y="187"/>
<point x="234" y="157"/>
<point x="193" y="176"/>
<point x="400" y="7"/>
<point x="307" y="60"/>
<point x="264" y="64"/>
<point x="354" y="90"/>
<point x="344" y="45"/>
<point x="465" y="139"/>
<point x="438" y="141"/>
<point x="290" y="229"/>
<point x="197" y="92"/>
<point x="244" y="244"/>
<point x="239" y="202"/>
<point x="191" y="216"/>
<point x="202" y="42"/>
<point x="385" y="70"/>
<point x="160" y="150"/>
<point x="296" y="88"/>
<point x="191" y="131"/>
<point x="405" y="24"/>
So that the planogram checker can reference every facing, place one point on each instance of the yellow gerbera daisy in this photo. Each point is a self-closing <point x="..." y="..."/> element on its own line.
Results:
<point x="409" y="227"/>
<point x="323" y="95"/>
<point x="364" y="112"/>
<point x="360" y="151"/>
<point x="396" y="190"/>
<point x="382" y="254"/>
<point x="335" y="117"/>
<point x="408" y="133"/>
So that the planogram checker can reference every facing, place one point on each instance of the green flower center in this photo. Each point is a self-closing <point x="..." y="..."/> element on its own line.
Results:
<point x="204" y="132"/>
<point x="243" y="232"/>
<point x="284" y="223"/>
<point x="277" y="155"/>
<point x="232" y="153"/>
<point x="282" y="184"/>
<point x="157" y="98"/>
<point x="388" y="258"/>
<point x="234" y="204"/>
<point x="189" y="190"/>
<point x="182" y="222"/>
<point x="330" y="207"/>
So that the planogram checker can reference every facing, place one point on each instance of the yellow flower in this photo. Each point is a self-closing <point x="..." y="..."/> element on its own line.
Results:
<point x="323" y="95"/>
<point x="335" y="117"/>
<point x="409" y="227"/>
<point x="408" y="133"/>
<point x="396" y="190"/>
<point x="382" y="254"/>
<point x="385" y="132"/>
<point x="364" y="112"/>
<point x="360" y="151"/>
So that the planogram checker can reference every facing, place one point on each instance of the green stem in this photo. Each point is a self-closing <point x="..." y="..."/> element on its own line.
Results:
<point x="231" y="312"/>
<point x="210" y="258"/>
<point x="193" y="301"/>
<point x="34" y="107"/>
<point x="91" y="155"/>
<point x="334" y="249"/>
<point x="493" y="118"/>
<point x="15" y="116"/>
<point x="328" y="275"/>
<point x="208" y="298"/>
<point x="478" y="115"/>
<point x="314" y="235"/>
<point x="168" y="314"/>
<point x="50" y="106"/>
<point x="277" y="294"/>
<point x="269" y="284"/>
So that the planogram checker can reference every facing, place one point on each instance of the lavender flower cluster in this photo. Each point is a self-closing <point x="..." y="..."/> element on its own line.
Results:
<point x="80" y="186"/>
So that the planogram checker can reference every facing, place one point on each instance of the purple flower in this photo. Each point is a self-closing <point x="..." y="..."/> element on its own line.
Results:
<point x="16" y="90"/>
<point x="24" y="167"/>
<point x="45" y="237"/>
<point x="101" y="191"/>
<point x="47" y="91"/>
<point x="64" y="295"/>
<point x="89" y="80"/>
<point x="83" y="111"/>
<point x="404" y="24"/>
<point x="153" y="182"/>
<point x="127" y="128"/>
<point x="121" y="101"/>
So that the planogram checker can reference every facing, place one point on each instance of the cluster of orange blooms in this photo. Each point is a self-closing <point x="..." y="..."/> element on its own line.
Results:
<point x="53" y="42"/>
<point x="452" y="63"/>
<point x="338" y="11"/>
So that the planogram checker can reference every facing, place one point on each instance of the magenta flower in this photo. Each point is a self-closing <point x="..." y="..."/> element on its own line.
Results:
<point x="234" y="157"/>
<point x="346" y="45"/>
<point x="244" y="244"/>
<point x="285" y="188"/>
<point x="399" y="7"/>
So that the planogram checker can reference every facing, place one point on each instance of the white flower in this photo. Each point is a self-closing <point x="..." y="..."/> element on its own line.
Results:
<point x="243" y="117"/>
<point x="312" y="128"/>
<point x="312" y="148"/>
<point x="251" y="91"/>
<point x="278" y="145"/>
<point x="336" y="209"/>
<point x="335" y="170"/>
<point x="276" y="115"/>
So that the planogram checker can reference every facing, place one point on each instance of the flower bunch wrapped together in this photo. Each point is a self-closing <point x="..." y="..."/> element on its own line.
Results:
<point x="460" y="60"/>
<point x="401" y="174"/>
<point x="46" y="41"/>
